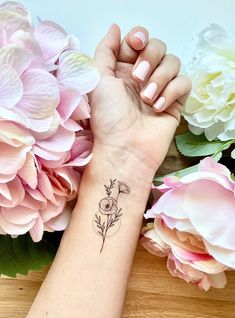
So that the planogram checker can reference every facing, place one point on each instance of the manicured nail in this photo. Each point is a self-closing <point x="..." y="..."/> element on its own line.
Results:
<point x="142" y="70"/>
<point x="159" y="103"/>
<point x="140" y="36"/>
<point x="150" y="90"/>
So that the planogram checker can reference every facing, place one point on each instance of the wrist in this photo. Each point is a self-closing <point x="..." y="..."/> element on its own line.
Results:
<point x="128" y="164"/>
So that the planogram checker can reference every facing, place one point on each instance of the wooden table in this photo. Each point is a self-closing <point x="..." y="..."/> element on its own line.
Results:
<point x="152" y="291"/>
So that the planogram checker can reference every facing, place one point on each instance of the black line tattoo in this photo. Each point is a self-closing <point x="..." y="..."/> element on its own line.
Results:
<point x="107" y="219"/>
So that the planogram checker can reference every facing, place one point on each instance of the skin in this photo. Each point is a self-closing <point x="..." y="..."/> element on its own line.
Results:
<point x="120" y="111"/>
<point x="131" y="140"/>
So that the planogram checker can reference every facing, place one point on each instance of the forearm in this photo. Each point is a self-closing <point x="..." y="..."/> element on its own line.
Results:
<point x="88" y="278"/>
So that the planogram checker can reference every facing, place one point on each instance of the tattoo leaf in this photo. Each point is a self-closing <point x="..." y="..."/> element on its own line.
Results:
<point x="98" y="224"/>
<point x="110" y="187"/>
<point x="108" y="214"/>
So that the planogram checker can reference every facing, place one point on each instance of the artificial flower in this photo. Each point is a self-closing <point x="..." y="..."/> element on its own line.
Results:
<point x="194" y="221"/>
<point x="44" y="140"/>
<point x="210" y="108"/>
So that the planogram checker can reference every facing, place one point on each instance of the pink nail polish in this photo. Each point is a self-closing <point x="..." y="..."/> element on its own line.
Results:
<point x="150" y="90"/>
<point x="142" y="70"/>
<point x="159" y="103"/>
<point x="140" y="36"/>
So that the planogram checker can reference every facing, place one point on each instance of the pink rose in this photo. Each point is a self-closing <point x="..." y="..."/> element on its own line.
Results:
<point x="44" y="138"/>
<point x="195" y="224"/>
<point x="201" y="279"/>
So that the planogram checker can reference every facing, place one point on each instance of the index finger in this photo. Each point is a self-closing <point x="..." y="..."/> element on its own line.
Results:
<point x="135" y="41"/>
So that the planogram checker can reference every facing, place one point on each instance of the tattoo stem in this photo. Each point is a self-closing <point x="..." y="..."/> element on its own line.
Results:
<point x="104" y="235"/>
<point x="117" y="195"/>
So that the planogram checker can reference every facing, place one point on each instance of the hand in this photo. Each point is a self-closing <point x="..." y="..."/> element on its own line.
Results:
<point x="126" y="112"/>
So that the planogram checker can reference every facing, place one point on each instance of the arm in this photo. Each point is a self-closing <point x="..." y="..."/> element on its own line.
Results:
<point x="84" y="282"/>
<point x="89" y="275"/>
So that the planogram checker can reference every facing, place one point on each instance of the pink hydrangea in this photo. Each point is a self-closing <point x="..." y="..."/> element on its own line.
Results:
<point x="194" y="225"/>
<point x="44" y="136"/>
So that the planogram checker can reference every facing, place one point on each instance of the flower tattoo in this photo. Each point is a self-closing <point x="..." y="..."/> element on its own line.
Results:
<point x="107" y="219"/>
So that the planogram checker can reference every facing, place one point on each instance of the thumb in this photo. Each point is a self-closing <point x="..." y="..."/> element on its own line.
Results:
<point x="107" y="51"/>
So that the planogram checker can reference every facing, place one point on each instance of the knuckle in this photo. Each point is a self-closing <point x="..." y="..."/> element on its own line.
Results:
<point x="187" y="84"/>
<point x="161" y="78"/>
<point x="154" y="56"/>
<point x="158" y="45"/>
<point x="175" y="59"/>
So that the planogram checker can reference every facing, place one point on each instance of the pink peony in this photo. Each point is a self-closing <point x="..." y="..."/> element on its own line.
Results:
<point x="195" y="224"/>
<point x="44" y="140"/>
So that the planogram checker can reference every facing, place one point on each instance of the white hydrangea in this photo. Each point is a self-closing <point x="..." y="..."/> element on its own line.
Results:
<point x="211" y="105"/>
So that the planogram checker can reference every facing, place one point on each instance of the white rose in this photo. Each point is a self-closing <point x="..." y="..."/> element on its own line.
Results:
<point x="211" y="105"/>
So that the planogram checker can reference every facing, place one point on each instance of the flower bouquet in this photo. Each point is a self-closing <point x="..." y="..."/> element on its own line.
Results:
<point x="44" y="135"/>
<point x="194" y="218"/>
<point x="46" y="143"/>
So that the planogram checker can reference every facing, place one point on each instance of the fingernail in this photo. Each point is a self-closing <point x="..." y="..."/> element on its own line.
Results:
<point x="142" y="70"/>
<point x="150" y="90"/>
<point x="140" y="36"/>
<point x="159" y="103"/>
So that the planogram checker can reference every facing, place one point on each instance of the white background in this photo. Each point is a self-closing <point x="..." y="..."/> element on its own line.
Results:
<point x="173" y="21"/>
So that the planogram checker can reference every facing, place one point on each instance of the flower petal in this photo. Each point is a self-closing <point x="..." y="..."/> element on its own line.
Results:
<point x="27" y="42"/>
<point x="44" y="185"/>
<point x="7" y="177"/>
<point x="212" y="221"/>
<point x="154" y="244"/>
<point x="170" y="203"/>
<point x="70" y="180"/>
<point x="60" y="222"/>
<point x="16" y="57"/>
<point x="69" y="100"/>
<point x="53" y="210"/>
<point x="15" y="229"/>
<point x="11" y="88"/>
<point x="52" y="39"/>
<point x="61" y="141"/>
<point x="208" y="164"/>
<point x="36" y="231"/>
<point x="77" y="71"/>
<point x="29" y="171"/>
<point x="12" y="158"/>
<point x="15" y="193"/>
<point x="16" y="7"/>
<point x="36" y="195"/>
<point x="12" y="20"/>
<point x="41" y="94"/>
<point x="82" y="111"/>
<point x="15" y="135"/>
<point x="209" y="266"/>
<point x="46" y="127"/>
<point x="222" y="255"/>
<point x="19" y="214"/>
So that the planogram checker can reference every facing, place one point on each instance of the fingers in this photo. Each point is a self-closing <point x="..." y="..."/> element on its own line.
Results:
<point x="162" y="75"/>
<point x="132" y="43"/>
<point x="107" y="50"/>
<point x="176" y="90"/>
<point x="148" y="60"/>
<point x="163" y="88"/>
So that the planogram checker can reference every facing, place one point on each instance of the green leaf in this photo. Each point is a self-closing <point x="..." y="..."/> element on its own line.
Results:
<point x="21" y="254"/>
<point x="217" y="156"/>
<point x="196" y="146"/>
<point x="233" y="154"/>
<point x="179" y="174"/>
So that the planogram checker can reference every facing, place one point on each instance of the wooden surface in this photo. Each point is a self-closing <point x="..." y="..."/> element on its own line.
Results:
<point x="152" y="291"/>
